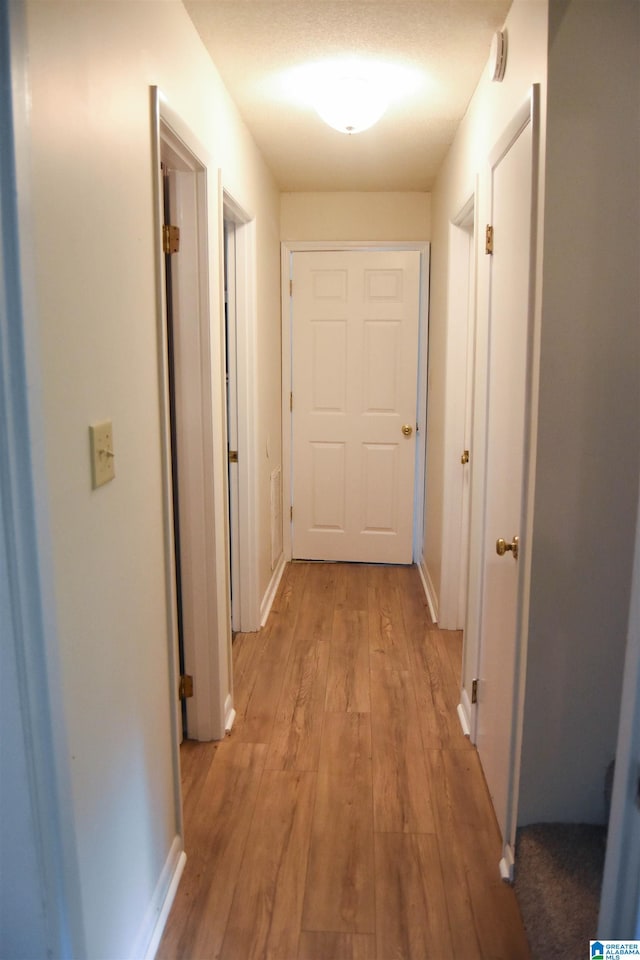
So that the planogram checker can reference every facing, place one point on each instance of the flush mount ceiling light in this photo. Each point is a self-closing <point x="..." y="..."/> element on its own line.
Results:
<point x="350" y="102"/>
<point x="350" y="94"/>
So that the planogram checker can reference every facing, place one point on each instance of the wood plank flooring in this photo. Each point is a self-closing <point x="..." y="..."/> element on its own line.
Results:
<point x="346" y="816"/>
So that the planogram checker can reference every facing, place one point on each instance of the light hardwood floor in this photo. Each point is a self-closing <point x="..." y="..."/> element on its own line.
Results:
<point x="346" y="816"/>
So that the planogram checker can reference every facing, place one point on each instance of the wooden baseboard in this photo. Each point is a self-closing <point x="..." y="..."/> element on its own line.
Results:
<point x="272" y="589"/>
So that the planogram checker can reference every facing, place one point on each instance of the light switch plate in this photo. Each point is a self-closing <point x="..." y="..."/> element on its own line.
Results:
<point x="103" y="468"/>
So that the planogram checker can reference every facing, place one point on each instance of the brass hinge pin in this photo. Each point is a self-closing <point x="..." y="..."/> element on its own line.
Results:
<point x="474" y="691"/>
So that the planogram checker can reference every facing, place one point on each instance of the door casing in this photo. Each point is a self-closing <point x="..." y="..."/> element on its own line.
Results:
<point x="212" y="713"/>
<point x="528" y="113"/>
<point x="288" y="249"/>
<point x="246" y="615"/>
<point x="461" y="317"/>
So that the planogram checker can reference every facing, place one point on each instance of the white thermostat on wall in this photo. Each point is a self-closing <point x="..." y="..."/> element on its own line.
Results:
<point x="498" y="56"/>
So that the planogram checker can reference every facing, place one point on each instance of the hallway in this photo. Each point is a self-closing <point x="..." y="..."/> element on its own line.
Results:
<point x="346" y="816"/>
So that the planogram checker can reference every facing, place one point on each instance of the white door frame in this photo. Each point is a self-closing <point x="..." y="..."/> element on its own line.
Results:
<point x="458" y="406"/>
<point x="229" y="256"/>
<point x="528" y="113"/>
<point x="288" y="249"/>
<point x="213" y="711"/>
<point x="246" y="602"/>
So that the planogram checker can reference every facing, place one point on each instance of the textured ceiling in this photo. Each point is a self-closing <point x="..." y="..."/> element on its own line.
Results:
<point x="255" y="45"/>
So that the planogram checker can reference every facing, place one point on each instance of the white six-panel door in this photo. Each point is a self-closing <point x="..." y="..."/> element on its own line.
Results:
<point x="355" y="322"/>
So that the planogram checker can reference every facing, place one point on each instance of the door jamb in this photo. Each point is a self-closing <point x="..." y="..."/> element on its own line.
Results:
<point x="459" y="380"/>
<point x="248" y="613"/>
<point x="214" y="677"/>
<point x="288" y="248"/>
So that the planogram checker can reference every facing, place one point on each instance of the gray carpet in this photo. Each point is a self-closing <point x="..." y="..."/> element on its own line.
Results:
<point x="557" y="882"/>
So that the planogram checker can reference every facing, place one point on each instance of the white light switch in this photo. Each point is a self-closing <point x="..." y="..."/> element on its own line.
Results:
<point x="103" y="466"/>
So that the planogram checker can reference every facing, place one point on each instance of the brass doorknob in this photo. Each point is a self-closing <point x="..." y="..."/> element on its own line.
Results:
<point x="407" y="430"/>
<point x="503" y="547"/>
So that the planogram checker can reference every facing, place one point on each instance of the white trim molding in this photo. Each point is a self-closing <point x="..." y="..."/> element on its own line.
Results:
<point x="246" y="340"/>
<point x="271" y="590"/>
<point x="229" y="714"/>
<point x="465" y="712"/>
<point x="463" y="720"/>
<point x="157" y="912"/>
<point x="459" y="366"/>
<point x="507" y="864"/>
<point x="211" y="646"/>
<point x="429" y="589"/>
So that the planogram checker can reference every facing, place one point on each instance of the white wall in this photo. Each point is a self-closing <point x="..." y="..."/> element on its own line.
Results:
<point x="39" y="890"/>
<point x="91" y="65"/>
<point x="588" y="455"/>
<point x="490" y="109"/>
<point x="620" y="902"/>
<point x="355" y="216"/>
<point x="20" y="883"/>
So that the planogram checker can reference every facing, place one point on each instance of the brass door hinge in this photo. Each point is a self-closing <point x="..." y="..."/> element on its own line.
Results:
<point x="170" y="238"/>
<point x="290" y="288"/>
<point x="291" y="513"/>
<point x="185" y="687"/>
<point x="474" y="691"/>
<point x="488" y="245"/>
<point x="233" y="456"/>
<point x="290" y="401"/>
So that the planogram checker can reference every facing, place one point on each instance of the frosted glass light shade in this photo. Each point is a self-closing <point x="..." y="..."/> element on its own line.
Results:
<point x="350" y="104"/>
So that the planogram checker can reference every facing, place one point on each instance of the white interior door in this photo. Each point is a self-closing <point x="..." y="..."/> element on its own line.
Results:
<point x="510" y="315"/>
<point x="355" y="324"/>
